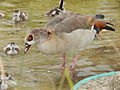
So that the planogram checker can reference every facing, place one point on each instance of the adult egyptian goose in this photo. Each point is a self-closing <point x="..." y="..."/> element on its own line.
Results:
<point x="52" y="42"/>
<point x="19" y="16"/>
<point x="6" y="80"/>
<point x="2" y="14"/>
<point x="58" y="10"/>
<point x="63" y="35"/>
<point x="11" y="49"/>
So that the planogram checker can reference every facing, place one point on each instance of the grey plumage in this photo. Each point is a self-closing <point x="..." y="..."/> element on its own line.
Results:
<point x="68" y="22"/>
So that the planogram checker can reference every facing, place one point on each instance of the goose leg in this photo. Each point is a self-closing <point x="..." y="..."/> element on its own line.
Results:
<point x="74" y="63"/>
<point x="72" y="68"/>
<point x="63" y="65"/>
<point x="64" y="59"/>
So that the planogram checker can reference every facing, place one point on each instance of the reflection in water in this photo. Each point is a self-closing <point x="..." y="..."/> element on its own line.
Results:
<point x="35" y="71"/>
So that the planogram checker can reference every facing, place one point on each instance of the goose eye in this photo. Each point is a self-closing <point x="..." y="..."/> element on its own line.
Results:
<point x="7" y="49"/>
<point x="7" y="75"/>
<point x="30" y="38"/>
<point x="17" y="49"/>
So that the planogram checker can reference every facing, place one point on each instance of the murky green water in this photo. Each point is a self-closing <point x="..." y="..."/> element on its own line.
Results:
<point x="31" y="70"/>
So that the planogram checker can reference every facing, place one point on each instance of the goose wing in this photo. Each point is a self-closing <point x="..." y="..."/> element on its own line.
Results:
<point x="57" y="19"/>
<point x="70" y="23"/>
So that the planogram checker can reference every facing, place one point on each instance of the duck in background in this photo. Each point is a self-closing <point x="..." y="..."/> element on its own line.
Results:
<point x="58" y="10"/>
<point x="19" y="16"/>
<point x="11" y="49"/>
<point x="6" y="80"/>
<point x="2" y="14"/>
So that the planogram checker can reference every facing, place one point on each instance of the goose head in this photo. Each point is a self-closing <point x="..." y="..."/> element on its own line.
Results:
<point x="53" y="12"/>
<point x="35" y="35"/>
<point x="56" y="11"/>
<point x="6" y="80"/>
<point x="11" y="49"/>
<point x="2" y="14"/>
<point x="16" y="15"/>
<point x="29" y="40"/>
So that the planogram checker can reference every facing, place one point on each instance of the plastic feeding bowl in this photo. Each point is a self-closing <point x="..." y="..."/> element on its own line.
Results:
<point x="101" y="78"/>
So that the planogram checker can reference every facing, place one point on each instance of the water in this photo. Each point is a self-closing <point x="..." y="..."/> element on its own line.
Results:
<point x="35" y="71"/>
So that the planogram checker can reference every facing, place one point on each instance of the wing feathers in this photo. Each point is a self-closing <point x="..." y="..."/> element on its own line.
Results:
<point x="70" y="23"/>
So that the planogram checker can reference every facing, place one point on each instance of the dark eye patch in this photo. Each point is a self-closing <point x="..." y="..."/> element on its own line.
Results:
<point x="30" y="38"/>
<point x="16" y="11"/>
<point x="7" y="49"/>
<point x="7" y="75"/>
<point x="17" y="50"/>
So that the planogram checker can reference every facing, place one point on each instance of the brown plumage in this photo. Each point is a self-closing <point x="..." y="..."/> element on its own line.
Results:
<point x="67" y="22"/>
<point x="70" y="21"/>
<point x="100" y="24"/>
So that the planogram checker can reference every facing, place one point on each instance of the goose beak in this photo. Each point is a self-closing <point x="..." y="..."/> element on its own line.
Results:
<point x="10" y="78"/>
<point x="11" y="82"/>
<point x="27" y="46"/>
